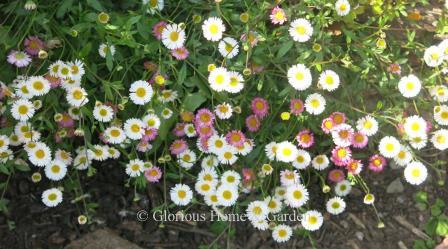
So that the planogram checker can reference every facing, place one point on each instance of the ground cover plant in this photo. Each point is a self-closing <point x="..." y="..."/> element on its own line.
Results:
<point x="254" y="107"/>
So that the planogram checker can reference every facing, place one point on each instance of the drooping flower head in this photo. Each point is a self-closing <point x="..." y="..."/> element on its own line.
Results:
<point x="260" y="107"/>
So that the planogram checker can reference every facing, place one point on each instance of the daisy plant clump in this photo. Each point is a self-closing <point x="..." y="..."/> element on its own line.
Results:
<point x="259" y="106"/>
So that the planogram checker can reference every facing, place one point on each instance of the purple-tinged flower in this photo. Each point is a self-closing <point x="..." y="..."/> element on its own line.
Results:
<point x="278" y="16"/>
<point x="305" y="138"/>
<point x="33" y="45"/>
<point x="158" y="28"/>
<point x="296" y="107"/>
<point x="19" y="58"/>
<point x="178" y="146"/>
<point x="377" y="163"/>
<point x="180" y="53"/>
<point x="336" y="175"/>
<point x="260" y="107"/>
<point x="253" y="123"/>
<point x="153" y="174"/>
<point x="235" y="138"/>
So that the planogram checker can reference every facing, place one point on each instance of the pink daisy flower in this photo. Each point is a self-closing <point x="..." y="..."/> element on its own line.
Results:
<point x="336" y="175"/>
<point x="66" y="121"/>
<point x="296" y="107"/>
<point x="235" y="138"/>
<point x="204" y="117"/>
<point x="260" y="107"/>
<point x="180" y="53"/>
<point x="54" y="81"/>
<point x="327" y="125"/>
<point x="253" y="123"/>
<point x="153" y="174"/>
<point x="150" y="135"/>
<point x="205" y="131"/>
<point x="338" y="118"/>
<point x="18" y="58"/>
<point x="143" y="146"/>
<point x="342" y="135"/>
<point x="377" y="163"/>
<point x="278" y="16"/>
<point x="341" y="156"/>
<point x="179" y="130"/>
<point x="359" y="140"/>
<point x="158" y="28"/>
<point x="33" y="45"/>
<point x="354" y="166"/>
<point x="202" y="143"/>
<point x="178" y="146"/>
<point x="305" y="138"/>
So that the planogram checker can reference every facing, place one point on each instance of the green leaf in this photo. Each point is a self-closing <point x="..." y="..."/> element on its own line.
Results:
<point x="109" y="62"/>
<point x="95" y="4"/>
<point x="193" y="101"/>
<point x="22" y="167"/>
<point x="218" y="227"/>
<point x="63" y="8"/>
<point x="442" y="227"/>
<point x="4" y="169"/>
<point x="182" y="74"/>
<point x="284" y="49"/>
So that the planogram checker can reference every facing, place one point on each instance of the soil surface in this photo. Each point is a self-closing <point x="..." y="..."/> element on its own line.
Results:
<point x="35" y="226"/>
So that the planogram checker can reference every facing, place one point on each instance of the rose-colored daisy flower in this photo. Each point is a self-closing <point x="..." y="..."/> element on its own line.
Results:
<point x="153" y="174"/>
<point x="327" y="125"/>
<point x="66" y="121"/>
<point x="179" y="130"/>
<point x="178" y="146"/>
<point x="33" y="45"/>
<point x="18" y="58"/>
<point x="359" y="140"/>
<point x="204" y="117"/>
<point x="260" y="107"/>
<point x="180" y="53"/>
<point x="253" y="123"/>
<point x="354" y="166"/>
<point x="305" y="138"/>
<point x="235" y="138"/>
<point x="204" y="130"/>
<point x="202" y="143"/>
<point x="278" y="16"/>
<point x="377" y="163"/>
<point x="157" y="29"/>
<point x="338" y="118"/>
<point x="341" y="156"/>
<point x="296" y="107"/>
<point x="150" y="134"/>
<point x="143" y="146"/>
<point x="336" y="175"/>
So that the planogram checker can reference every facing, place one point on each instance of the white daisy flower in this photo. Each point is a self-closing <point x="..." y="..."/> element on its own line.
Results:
<point x="22" y="110"/>
<point x="301" y="30"/>
<point x="53" y="69"/>
<point x="441" y="114"/>
<point x="343" y="188"/>
<point x="77" y="96"/>
<point x="14" y="140"/>
<point x="52" y="197"/>
<point x="82" y="161"/>
<point x="257" y="210"/>
<point x="389" y="147"/>
<point x="367" y="125"/>
<point x="236" y="83"/>
<point x="299" y="76"/>
<point x="190" y="130"/>
<point x="342" y="135"/>
<point x="154" y="5"/>
<point x="140" y="92"/>
<point x="38" y="85"/>
<point x="281" y="233"/>
<point x="213" y="28"/>
<point x="227" y="155"/>
<point x="208" y="175"/>
<point x="134" y="128"/>
<point x="440" y="139"/>
<point x="415" y="173"/>
<point x="296" y="195"/>
<point x="151" y="121"/>
<point x="315" y="104"/>
<point x="103" y="113"/>
<point x="289" y="177"/>
<point x="286" y="152"/>
<point x="320" y="162"/>
<point x="166" y="113"/>
<point x="56" y="170"/>
<point x="23" y="91"/>
<point x="76" y="69"/>
<point x="404" y="156"/>
<point x="433" y="56"/>
<point x="113" y="153"/>
<point x="271" y="150"/>
<point x="414" y="126"/>
<point x="104" y="49"/>
<point x="227" y="195"/>
<point x="329" y="80"/>
<point x="231" y="177"/>
<point x="167" y="96"/>
<point x="205" y="187"/>
<point x="439" y="93"/>
<point x="342" y="7"/>
<point x="419" y="142"/>
<point x="261" y="225"/>
<point x="40" y="155"/>
<point x="246" y="148"/>
<point x="98" y="153"/>
<point x="173" y="36"/>
<point x="219" y="79"/>
<point x="223" y="111"/>
<point x="409" y="86"/>
<point x="211" y="200"/>
<point x="114" y="135"/>
<point x="312" y="220"/>
<point x="63" y="156"/>
<point x="181" y="194"/>
<point x="302" y="160"/>
<point x="209" y="161"/>
<point x="274" y="204"/>
<point x="74" y="112"/>
<point x="135" y="167"/>
<point x="4" y="143"/>
<point x="187" y="159"/>
<point x="64" y="71"/>
<point x="335" y="205"/>
<point x="228" y="47"/>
